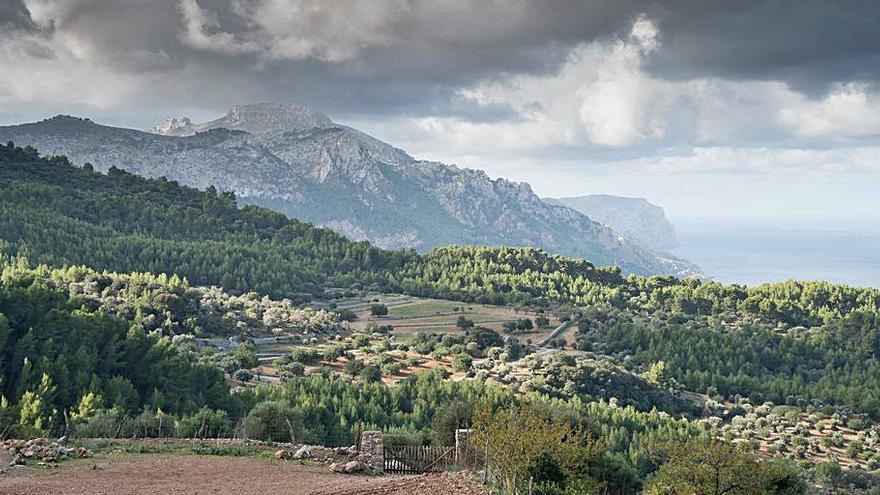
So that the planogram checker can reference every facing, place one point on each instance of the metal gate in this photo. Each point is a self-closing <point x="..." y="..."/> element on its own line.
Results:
<point x="417" y="459"/>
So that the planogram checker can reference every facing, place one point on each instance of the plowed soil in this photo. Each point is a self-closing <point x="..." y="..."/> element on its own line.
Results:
<point x="145" y="474"/>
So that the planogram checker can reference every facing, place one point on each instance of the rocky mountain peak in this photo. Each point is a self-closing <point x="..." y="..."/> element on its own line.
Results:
<point x="174" y="127"/>
<point x="262" y="118"/>
<point x="255" y="118"/>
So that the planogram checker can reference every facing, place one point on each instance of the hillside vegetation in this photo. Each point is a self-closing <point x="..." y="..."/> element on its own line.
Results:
<point x="58" y="214"/>
<point x="109" y="279"/>
<point x="297" y="161"/>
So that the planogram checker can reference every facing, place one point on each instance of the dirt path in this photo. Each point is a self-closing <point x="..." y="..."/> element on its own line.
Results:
<point x="426" y="484"/>
<point x="145" y="474"/>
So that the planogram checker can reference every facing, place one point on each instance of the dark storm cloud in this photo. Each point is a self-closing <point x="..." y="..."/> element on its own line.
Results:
<point x="411" y="57"/>
<point x="807" y="43"/>
<point x="13" y="13"/>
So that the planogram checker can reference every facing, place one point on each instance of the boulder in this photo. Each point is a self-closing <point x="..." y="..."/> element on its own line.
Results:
<point x="352" y="467"/>
<point x="39" y="448"/>
<point x="303" y="452"/>
<point x="282" y="455"/>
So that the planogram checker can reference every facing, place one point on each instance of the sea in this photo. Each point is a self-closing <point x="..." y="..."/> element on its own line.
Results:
<point x="755" y="252"/>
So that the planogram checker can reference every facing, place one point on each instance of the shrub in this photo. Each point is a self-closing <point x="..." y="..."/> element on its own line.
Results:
<point x="304" y="355"/>
<point x="148" y="424"/>
<point x="205" y="423"/>
<point x="354" y="367"/>
<point x="447" y="419"/>
<point x="390" y="369"/>
<point x="545" y="469"/>
<point x="243" y="375"/>
<point x="296" y="369"/>
<point x="464" y="323"/>
<point x="525" y="434"/>
<point x="347" y="315"/>
<point x="273" y="421"/>
<point x="103" y="423"/>
<point x="371" y="373"/>
<point x="360" y="340"/>
<point x="462" y="362"/>
<point x="333" y="352"/>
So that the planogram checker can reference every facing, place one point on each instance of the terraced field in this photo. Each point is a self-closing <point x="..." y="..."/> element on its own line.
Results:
<point x="409" y="315"/>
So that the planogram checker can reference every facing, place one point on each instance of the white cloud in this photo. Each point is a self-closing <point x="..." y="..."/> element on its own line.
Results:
<point x="617" y="104"/>
<point x="329" y="30"/>
<point x="760" y="160"/>
<point x="602" y="100"/>
<point x="850" y="111"/>
<point x="46" y="13"/>
<point x="55" y="70"/>
<point x="600" y="96"/>
<point x="198" y="22"/>
<point x="61" y="67"/>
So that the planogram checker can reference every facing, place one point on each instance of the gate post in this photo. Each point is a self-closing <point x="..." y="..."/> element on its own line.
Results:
<point x="462" y="445"/>
<point x="372" y="451"/>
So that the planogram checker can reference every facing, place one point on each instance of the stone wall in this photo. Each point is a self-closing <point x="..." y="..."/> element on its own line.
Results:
<point x="372" y="450"/>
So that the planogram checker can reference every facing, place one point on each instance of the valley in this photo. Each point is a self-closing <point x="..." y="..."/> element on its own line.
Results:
<point x="211" y="320"/>
<point x="432" y="247"/>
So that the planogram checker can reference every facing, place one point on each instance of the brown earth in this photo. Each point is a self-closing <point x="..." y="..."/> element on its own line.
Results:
<point x="425" y="484"/>
<point x="145" y="474"/>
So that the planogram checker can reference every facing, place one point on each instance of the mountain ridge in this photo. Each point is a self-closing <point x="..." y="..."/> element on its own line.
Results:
<point x="635" y="218"/>
<point x="297" y="161"/>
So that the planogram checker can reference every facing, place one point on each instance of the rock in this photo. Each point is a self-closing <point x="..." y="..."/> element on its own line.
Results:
<point x="345" y="450"/>
<point x="38" y="448"/>
<point x="282" y="455"/>
<point x="303" y="452"/>
<point x="352" y="467"/>
<point x="336" y="467"/>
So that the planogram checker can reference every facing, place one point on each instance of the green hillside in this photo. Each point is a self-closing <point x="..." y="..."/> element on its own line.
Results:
<point x="650" y="359"/>
<point x="59" y="214"/>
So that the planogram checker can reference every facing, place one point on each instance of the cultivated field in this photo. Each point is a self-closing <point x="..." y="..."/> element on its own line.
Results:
<point x="145" y="474"/>
<point x="408" y="316"/>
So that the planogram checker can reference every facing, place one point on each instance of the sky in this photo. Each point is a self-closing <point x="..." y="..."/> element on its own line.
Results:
<point x="712" y="109"/>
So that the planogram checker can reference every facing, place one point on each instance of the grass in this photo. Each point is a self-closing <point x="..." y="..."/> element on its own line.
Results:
<point x="169" y="446"/>
<point x="226" y="450"/>
<point x="422" y="308"/>
<point x="130" y="446"/>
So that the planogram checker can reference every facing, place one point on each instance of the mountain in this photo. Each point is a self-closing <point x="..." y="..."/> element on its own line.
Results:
<point x="635" y="218"/>
<point x="297" y="161"/>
